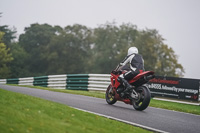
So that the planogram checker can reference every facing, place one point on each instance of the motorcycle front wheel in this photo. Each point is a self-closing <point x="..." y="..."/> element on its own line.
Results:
<point x="110" y="95"/>
<point x="143" y="100"/>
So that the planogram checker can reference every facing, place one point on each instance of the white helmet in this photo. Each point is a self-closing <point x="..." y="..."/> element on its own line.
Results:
<point x="132" y="50"/>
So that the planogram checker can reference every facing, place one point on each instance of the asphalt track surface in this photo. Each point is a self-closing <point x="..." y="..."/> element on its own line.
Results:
<point x="158" y="119"/>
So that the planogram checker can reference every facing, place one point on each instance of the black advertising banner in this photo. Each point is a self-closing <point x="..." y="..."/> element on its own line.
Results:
<point x="179" y="88"/>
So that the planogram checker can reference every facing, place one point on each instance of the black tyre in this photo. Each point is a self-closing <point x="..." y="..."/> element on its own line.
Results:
<point x="110" y="95"/>
<point x="143" y="100"/>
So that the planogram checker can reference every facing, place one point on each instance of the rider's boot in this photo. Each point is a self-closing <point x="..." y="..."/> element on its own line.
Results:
<point x="125" y="84"/>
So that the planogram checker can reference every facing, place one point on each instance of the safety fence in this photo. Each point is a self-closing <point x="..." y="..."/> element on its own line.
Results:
<point x="98" y="82"/>
<point x="168" y="87"/>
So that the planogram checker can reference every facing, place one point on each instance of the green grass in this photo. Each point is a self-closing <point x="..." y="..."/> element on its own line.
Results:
<point x="21" y="113"/>
<point x="193" y="109"/>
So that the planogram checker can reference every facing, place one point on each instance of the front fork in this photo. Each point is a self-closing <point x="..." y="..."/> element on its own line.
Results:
<point x="110" y="90"/>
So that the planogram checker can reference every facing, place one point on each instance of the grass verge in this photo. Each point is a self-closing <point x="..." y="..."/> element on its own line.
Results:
<point x="26" y="114"/>
<point x="193" y="109"/>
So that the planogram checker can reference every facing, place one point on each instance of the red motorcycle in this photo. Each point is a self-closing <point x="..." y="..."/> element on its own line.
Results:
<point x="139" y="96"/>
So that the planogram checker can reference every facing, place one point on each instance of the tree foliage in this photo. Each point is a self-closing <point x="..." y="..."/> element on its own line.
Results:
<point x="19" y="66"/>
<point x="9" y="35"/>
<point x="157" y="55"/>
<point x="44" y="50"/>
<point x="5" y="58"/>
<point x="69" y="49"/>
<point x="35" y="39"/>
<point x="110" y="45"/>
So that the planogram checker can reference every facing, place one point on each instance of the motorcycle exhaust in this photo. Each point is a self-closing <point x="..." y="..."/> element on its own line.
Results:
<point x="150" y="77"/>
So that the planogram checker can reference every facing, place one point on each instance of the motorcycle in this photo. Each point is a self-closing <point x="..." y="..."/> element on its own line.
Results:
<point x="139" y="96"/>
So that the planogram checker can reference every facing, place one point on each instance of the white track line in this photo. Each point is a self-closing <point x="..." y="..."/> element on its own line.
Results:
<point x="124" y="121"/>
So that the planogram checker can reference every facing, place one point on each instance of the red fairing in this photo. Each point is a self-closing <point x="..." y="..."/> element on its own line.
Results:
<point x="114" y="81"/>
<point x="141" y="74"/>
<point x="115" y="84"/>
<point x="127" y="101"/>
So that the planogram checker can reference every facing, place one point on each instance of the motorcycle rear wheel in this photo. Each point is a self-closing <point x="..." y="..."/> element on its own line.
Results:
<point x="144" y="98"/>
<point x="110" y="95"/>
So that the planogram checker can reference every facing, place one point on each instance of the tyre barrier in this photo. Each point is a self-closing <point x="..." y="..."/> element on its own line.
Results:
<point x="169" y="87"/>
<point x="98" y="82"/>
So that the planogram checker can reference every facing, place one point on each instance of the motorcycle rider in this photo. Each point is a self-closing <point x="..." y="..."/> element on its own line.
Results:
<point x="135" y="64"/>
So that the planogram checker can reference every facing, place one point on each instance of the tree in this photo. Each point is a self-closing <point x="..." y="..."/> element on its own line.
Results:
<point x="157" y="55"/>
<point x="9" y="34"/>
<point x="104" y="49"/>
<point x="167" y="63"/>
<point x="112" y="42"/>
<point x="78" y="49"/>
<point x="34" y="41"/>
<point x="68" y="51"/>
<point x="5" y="58"/>
<point x="18" y="66"/>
